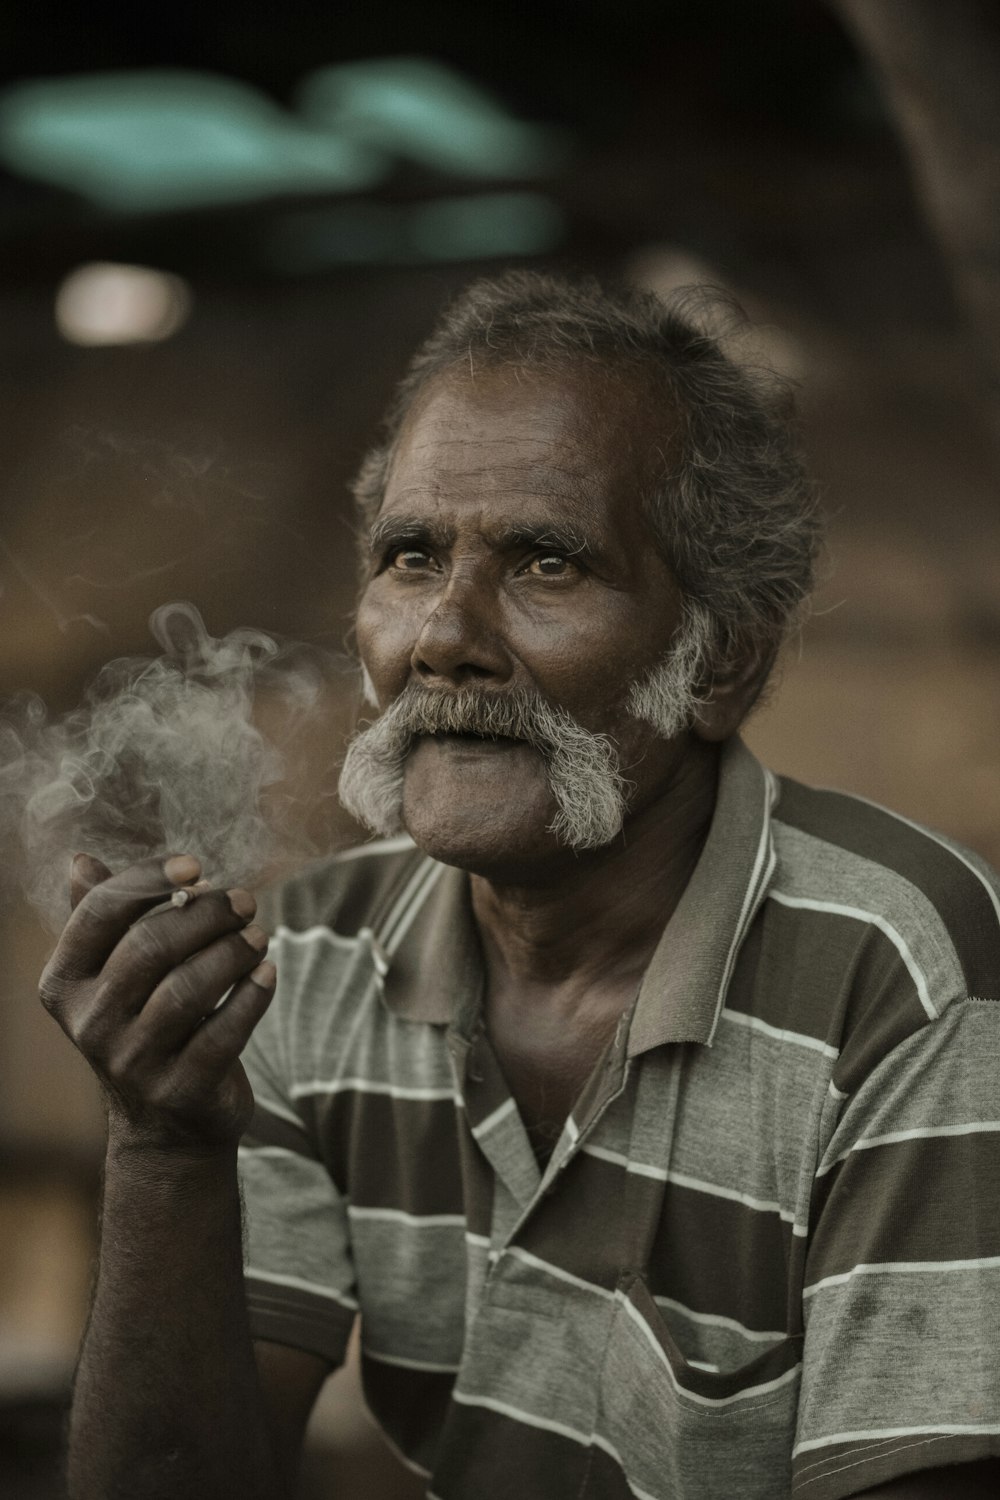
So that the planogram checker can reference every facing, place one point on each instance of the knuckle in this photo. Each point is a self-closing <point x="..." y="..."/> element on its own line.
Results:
<point x="169" y="1094"/>
<point x="125" y="1059"/>
<point x="117" y="1073"/>
<point x="88" y="1032"/>
<point x="55" y="982"/>
<point x="150" y="943"/>
<point x="216" y="1046"/>
<point x="182" y="992"/>
<point x="50" y="993"/>
<point x="93" y="1021"/>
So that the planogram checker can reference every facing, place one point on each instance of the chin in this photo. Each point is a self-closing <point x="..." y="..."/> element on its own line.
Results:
<point x="470" y="846"/>
<point x="498" y="848"/>
<point x="478" y="811"/>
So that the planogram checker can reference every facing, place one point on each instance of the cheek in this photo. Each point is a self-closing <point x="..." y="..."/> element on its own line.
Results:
<point x="581" y="653"/>
<point x="589" y="673"/>
<point x="385" y="642"/>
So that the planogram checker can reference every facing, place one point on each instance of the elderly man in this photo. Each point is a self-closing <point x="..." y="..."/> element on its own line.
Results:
<point x="644" y="1105"/>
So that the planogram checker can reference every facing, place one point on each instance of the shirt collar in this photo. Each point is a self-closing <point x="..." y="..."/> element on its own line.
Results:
<point x="684" y="987"/>
<point x="435" y="973"/>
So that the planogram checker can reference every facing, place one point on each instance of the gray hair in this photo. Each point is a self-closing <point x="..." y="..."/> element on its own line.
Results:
<point x="583" y="769"/>
<point x="731" y="507"/>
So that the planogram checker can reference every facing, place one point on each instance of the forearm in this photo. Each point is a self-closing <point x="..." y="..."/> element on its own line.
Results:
<point x="167" y="1403"/>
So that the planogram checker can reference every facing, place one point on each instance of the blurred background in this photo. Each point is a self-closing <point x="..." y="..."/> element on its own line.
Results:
<point x="224" y="228"/>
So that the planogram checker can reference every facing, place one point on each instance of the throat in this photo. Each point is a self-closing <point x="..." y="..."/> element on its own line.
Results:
<point x="547" y="1055"/>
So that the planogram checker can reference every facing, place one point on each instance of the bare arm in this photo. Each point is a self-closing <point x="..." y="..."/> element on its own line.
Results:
<point x="168" y="1401"/>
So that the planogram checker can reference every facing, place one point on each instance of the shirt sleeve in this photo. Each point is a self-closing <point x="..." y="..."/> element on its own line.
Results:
<point x="901" y="1356"/>
<point x="298" y="1270"/>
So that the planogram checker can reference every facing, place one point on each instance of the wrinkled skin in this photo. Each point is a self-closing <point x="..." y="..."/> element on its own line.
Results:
<point x="511" y="552"/>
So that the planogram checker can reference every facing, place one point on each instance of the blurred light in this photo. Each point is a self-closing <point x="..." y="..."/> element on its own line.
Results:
<point x="140" y="142"/>
<point x="105" y="303"/>
<point x="420" y="109"/>
<point x="486" y="225"/>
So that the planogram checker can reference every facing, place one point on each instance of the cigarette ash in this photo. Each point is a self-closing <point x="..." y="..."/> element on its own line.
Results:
<point x="165" y="755"/>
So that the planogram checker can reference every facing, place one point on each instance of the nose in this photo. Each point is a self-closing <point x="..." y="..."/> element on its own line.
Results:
<point x="460" y="641"/>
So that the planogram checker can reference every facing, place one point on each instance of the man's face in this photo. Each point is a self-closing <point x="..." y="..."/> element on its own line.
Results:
<point x="511" y="556"/>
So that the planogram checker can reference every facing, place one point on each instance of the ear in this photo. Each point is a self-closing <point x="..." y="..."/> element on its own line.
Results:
<point x="729" y="698"/>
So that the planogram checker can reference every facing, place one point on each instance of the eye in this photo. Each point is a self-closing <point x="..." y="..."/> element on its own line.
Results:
<point x="551" y="565"/>
<point x="408" y="560"/>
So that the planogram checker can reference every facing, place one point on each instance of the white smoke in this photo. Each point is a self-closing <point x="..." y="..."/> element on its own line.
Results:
<point x="166" y="754"/>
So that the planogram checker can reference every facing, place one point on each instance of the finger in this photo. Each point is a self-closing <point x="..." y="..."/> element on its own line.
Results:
<point x="109" y="908"/>
<point x="156" y="945"/>
<point x="192" y="991"/>
<point x="219" y="1040"/>
<point x="84" y="873"/>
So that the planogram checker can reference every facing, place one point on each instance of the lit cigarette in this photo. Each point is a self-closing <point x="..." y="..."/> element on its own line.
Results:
<point x="188" y="892"/>
<point x="182" y="897"/>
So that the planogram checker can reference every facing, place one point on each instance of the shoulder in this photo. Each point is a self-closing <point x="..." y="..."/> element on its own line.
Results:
<point x="345" y="893"/>
<point x="329" y="924"/>
<point x="892" y="923"/>
<point x="850" y="858"/>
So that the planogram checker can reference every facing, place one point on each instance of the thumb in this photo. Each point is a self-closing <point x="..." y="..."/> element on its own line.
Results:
<point x="85" y="872"/>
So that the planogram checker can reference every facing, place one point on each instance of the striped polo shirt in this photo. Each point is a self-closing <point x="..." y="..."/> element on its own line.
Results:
<point x="764" y="1256"/>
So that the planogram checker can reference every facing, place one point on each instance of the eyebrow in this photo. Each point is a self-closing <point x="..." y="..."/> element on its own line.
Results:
<point x="394" y="530"/>
<point x="561" y="536"/>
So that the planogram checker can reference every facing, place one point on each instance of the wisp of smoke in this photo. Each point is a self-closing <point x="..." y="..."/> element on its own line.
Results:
<point x="164" y="755"/>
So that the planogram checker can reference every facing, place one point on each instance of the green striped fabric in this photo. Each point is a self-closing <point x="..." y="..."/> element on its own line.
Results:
<point x="764" y="1257"/>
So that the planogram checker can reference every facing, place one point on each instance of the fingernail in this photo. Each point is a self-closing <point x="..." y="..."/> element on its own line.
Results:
<point x="242" y="903"/>
<point x="180" y="868"/>
<point x="265" y="974"/>
<point x="255" y="936"/>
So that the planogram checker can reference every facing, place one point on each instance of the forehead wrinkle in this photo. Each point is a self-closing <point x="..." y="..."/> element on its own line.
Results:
<point x="477" y="464"/>
<point x="568" y="510"/>
<point x="578" y="487"/>
<point x="435" y="440"/>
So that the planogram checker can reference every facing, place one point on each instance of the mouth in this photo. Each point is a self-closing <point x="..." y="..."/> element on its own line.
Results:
<point x="470" y="740"/>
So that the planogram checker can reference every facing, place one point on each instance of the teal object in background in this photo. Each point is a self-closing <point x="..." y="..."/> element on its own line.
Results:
<point x="485" y="224"/>
<point x="156" y="141"/>
<point x="139" y="142"/>
<point x="417" y="108"/>
<point x="476" y="226"/>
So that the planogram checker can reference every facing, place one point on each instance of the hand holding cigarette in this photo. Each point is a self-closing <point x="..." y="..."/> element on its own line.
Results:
<point x="135" y="981"/>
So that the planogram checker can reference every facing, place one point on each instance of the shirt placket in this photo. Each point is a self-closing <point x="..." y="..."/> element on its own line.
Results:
<point x="607" y="1082"/>
<point x="496" y="1127"/>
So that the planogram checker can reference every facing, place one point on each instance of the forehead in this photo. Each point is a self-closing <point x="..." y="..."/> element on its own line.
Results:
<point x="578" y="443"/>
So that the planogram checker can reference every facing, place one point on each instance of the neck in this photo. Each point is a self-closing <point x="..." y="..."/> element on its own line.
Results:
<point x="599" y="918"/>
